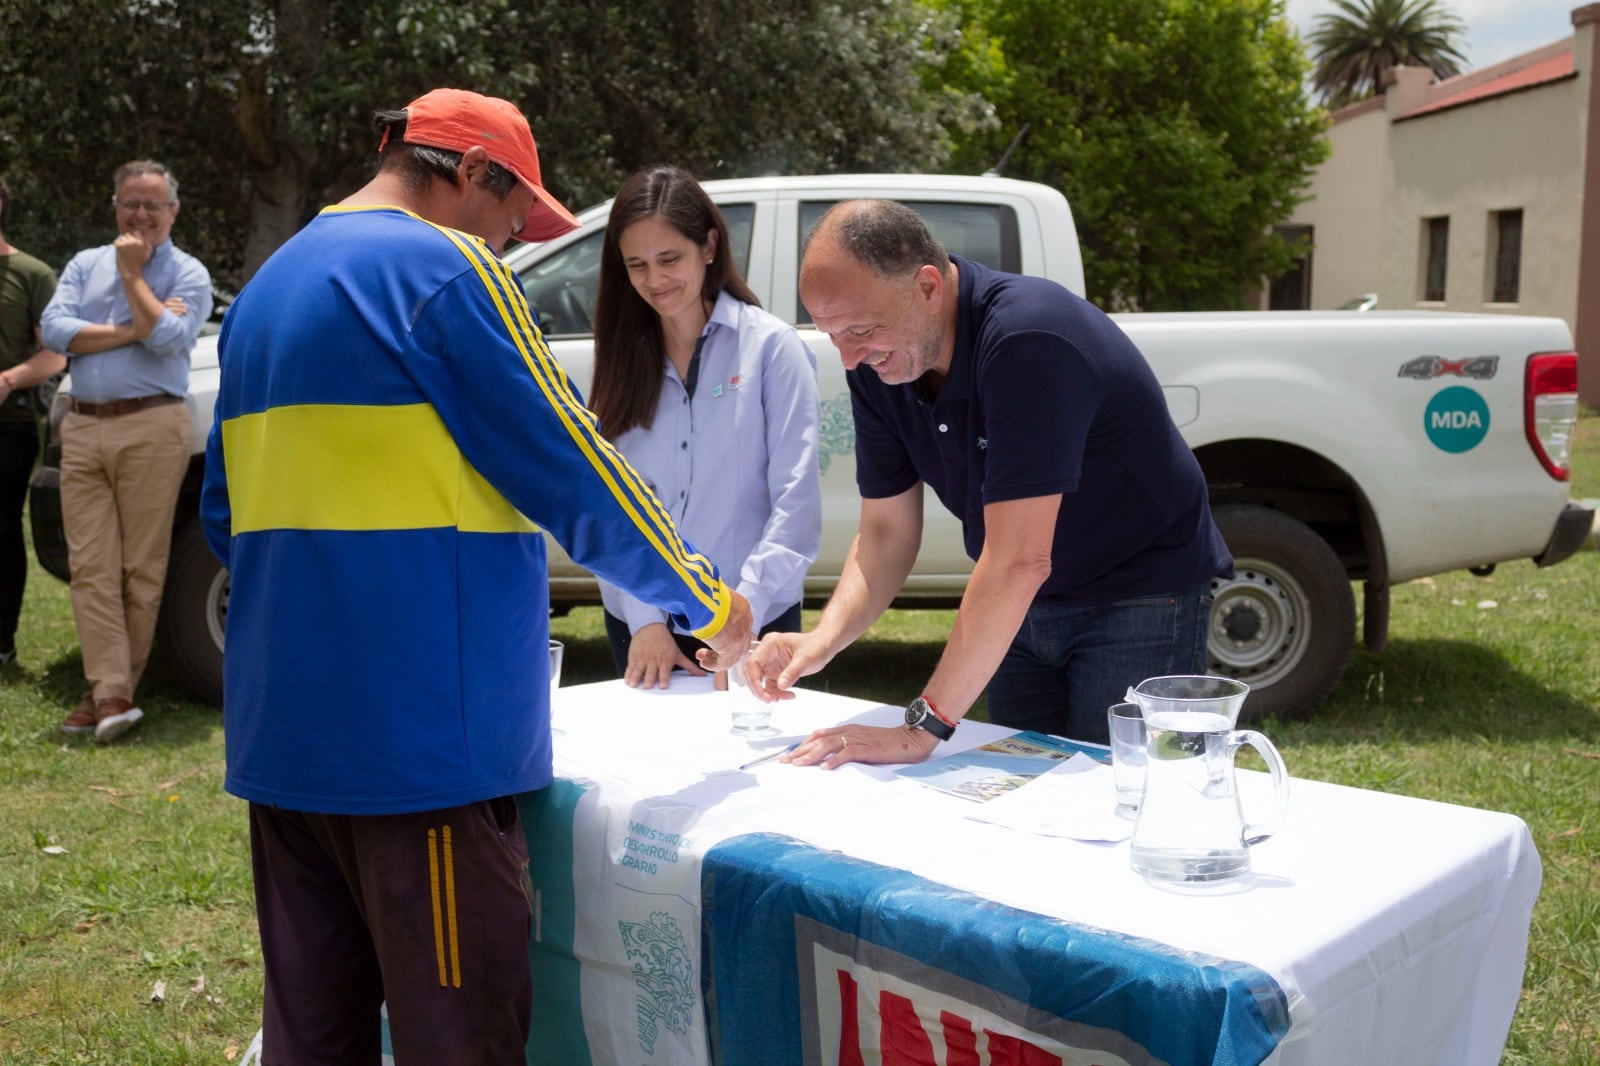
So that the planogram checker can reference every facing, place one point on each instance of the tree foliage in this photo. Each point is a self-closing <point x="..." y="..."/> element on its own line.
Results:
<point x="730" y="87"/>
<point x="263" y="107"/>
<point x="1179" y="131"/>
<point x="1354" y="47"/>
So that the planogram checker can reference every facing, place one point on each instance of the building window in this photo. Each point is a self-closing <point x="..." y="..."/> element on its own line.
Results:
<point x="1507" y="256"/>
<point x="1438" y="254"/>
<point x="1291" y="290"/>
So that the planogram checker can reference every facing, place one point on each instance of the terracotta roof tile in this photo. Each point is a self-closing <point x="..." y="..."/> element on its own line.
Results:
<point x="1554" y="68"/>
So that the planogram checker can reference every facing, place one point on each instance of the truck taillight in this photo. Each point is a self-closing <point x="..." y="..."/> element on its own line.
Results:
<point x="1550" y="398"/>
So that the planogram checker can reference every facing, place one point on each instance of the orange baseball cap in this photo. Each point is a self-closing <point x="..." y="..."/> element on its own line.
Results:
<point x="455" y="120"/>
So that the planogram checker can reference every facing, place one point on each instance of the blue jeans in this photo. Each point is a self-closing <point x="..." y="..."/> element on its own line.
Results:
<point x="1068" y="664"/>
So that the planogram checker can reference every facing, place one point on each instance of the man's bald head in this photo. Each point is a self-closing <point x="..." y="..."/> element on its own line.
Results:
<point x="887" y="238"/>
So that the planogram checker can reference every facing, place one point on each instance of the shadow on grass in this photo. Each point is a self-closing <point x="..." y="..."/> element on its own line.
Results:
<point x="885" y="671"/>
<point x="172" y="719"/>
<point x="585" y="659"/>
<point x="1420" y="690"/>
<point x="1427" y="690"/>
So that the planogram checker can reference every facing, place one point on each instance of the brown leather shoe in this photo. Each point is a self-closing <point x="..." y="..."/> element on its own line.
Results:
<point x="114" y="717"/>
<point x="81" y="721"/>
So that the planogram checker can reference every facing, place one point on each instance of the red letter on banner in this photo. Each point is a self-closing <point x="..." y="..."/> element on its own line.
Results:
<point x="849" y="1022"/>
<point x="904" y="1041"/>
<point x="1014" y="1051"/>
<point x="960" y="1042"/>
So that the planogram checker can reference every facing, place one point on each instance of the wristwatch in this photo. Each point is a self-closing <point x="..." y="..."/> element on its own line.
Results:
<point x="921" y="714"/>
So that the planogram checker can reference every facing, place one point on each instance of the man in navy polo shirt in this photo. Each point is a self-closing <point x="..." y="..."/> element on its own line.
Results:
<point x="1037" y="422"/>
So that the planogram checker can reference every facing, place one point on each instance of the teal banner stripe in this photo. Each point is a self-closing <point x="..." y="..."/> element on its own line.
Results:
<point x="558" y="1038"/>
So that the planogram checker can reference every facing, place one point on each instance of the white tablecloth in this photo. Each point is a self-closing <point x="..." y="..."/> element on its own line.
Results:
<point x="1396" y="927"/>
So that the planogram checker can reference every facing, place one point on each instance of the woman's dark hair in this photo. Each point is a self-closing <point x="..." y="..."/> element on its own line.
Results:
<point x="628" y="344"/>
<point x="418" y="164"/>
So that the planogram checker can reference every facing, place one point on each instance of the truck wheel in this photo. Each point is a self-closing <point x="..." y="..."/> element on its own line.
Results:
<point x="194" y="608"/>
<point x="1285" y="624"/>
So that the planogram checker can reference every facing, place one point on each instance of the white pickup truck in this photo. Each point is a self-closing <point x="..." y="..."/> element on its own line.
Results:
<point x="1338" y="446"/>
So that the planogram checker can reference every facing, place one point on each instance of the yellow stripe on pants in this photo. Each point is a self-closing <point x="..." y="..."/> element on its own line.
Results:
<point x="450" y="906"/>
<point x="444" y="920"/>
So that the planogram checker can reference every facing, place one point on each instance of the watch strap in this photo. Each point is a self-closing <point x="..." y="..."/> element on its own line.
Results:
<point x="930" y="719"/>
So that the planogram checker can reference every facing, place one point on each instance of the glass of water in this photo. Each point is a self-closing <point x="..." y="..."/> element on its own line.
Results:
<point x="752" y="717"/>
<point x="557" y="649"/>
<point x="1128" y="754"/>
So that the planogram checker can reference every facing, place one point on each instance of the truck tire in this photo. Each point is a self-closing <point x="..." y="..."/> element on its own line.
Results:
<point x="194" y="609"/>
<point x="1285" y="623"/>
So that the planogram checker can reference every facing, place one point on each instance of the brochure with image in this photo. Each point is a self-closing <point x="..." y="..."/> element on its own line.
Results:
<point x="998" y="767"/>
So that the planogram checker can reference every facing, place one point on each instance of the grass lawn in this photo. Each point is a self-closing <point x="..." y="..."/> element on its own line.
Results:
<point x="124" y="870"/>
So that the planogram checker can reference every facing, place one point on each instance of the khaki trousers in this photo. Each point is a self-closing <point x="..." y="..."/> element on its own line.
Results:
<point x="120" y="477"/>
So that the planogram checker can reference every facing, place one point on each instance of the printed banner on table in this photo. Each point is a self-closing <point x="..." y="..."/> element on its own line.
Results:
<point x="814" y="958"/>
<point x="616" y="945"/>
<point x="769" y="950"/>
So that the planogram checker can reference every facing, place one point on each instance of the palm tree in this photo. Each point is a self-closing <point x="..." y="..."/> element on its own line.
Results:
<point x="1353" y="48"/>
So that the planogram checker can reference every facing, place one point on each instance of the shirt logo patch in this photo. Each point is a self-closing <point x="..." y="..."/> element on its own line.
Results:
<point x="983" y="443"/>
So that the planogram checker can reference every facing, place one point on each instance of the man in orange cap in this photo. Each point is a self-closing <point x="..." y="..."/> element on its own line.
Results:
<point x="390" y="428"/>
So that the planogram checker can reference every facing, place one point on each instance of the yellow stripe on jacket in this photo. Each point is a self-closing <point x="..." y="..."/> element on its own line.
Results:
<point x="357" y="467"/>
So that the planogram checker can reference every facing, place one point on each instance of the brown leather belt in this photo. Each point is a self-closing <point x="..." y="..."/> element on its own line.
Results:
<point x="121" y="407"/>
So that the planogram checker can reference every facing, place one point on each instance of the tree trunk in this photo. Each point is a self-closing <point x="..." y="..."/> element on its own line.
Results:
<point x="277" y="209"/>
<point x="279" y="170"/>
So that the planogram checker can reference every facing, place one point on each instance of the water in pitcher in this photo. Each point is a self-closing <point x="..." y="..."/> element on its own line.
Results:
<point x="1189" y="826"/>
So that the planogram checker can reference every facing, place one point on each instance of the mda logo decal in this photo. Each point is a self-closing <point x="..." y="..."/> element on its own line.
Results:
<point x="1457" y="419"/>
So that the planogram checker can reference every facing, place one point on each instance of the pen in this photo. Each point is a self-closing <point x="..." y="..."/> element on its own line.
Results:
<point x="770" y="756"/>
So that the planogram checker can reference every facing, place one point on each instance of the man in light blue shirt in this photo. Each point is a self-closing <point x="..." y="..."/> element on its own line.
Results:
<point x="126" y="315"/>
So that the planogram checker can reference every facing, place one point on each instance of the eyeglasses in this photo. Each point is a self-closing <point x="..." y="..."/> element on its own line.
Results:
<point x="151" y="206"/>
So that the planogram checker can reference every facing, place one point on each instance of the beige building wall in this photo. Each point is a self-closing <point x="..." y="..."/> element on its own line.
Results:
<point x="1586" y="330"/>
<point x="1523" y="150"/>
<point x="1395" y="163"/>
<point x="1346" y="214"/>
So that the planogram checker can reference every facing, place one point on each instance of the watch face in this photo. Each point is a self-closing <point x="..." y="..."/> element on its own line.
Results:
<point x="921" y="715"/>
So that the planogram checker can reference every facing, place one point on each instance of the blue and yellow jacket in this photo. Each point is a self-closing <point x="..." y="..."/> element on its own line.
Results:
<point x="390" y="434"/>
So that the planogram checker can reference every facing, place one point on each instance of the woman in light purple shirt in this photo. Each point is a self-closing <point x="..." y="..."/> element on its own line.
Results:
<point x="714" y="402"/>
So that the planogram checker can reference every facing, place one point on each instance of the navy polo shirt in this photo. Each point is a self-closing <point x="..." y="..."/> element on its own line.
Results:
<point x="1046" y="395"/>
